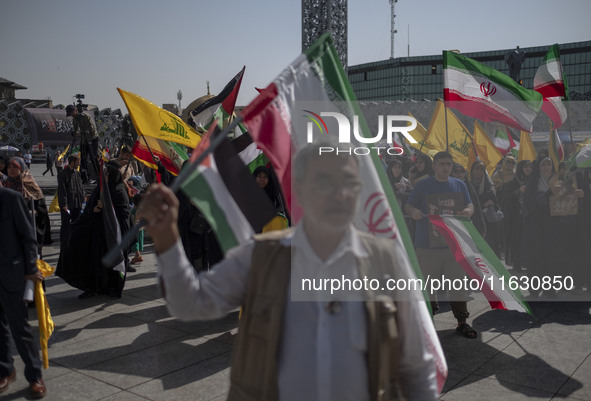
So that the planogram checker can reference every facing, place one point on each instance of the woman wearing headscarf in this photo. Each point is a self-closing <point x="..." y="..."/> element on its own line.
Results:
<point x="421" y="170"/>
<point x="458" y="171"/>
<point x="20" y="179"/>
<point x="91" y="235"/>
<point x="513" y="220"/>
<point x="488" y="199"/>
<point x="266" y="181"/>
<point x="504" y="176"/>
<point x="400" y="184"/>
<point x="537" y="236"/>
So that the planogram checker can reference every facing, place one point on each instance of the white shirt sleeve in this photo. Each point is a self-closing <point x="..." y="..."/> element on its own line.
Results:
<point x="209" y="295"/>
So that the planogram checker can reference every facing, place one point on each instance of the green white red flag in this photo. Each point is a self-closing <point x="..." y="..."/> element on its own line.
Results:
<point x="482" y="92"/>
<point x="505" y="143"/>
<point x="549" y="78"/>
<point x="278" y="120"/>
<point x="550" y="82"/>
<point x="480" y="262"/>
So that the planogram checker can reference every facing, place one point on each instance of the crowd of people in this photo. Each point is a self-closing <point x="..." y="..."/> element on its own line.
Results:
<point x="533" y="216"/>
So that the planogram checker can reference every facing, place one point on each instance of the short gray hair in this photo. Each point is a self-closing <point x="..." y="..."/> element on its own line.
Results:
<point x="312" y="151"/>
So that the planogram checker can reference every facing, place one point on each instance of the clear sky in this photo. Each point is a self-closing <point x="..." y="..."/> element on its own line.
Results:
<point x="57" y="48"/>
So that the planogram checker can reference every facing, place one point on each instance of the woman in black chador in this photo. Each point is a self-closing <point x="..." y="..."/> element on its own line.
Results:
<point x="94" y="234"/>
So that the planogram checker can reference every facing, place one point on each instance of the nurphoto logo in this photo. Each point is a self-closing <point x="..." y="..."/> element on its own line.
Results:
<point x="344" y="133"/>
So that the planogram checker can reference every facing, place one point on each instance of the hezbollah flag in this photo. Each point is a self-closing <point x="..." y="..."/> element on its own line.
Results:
<point x="453" y="137"/>
<point x="527" y="151"/>
<point x="482" y="92"/>
<point x="150" y="120"/>
<point x="480" y="262"/>
<point x="484" y="149"/>
<point x="419" y="134"/>
<point x="277" y="120"/>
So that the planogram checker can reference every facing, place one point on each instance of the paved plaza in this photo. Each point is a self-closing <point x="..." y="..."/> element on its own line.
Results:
<point x="130" y="349"/>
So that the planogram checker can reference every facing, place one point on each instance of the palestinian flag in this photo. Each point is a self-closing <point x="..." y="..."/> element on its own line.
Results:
<point x="248" y="151"/>
<point x="278" y="119"/>
<point x="480" y="91"/>
<point x="551" y="83"/>
<point x="226" y="193"/>
<point x="480" y="262"/>
<point x="220" y="106"/>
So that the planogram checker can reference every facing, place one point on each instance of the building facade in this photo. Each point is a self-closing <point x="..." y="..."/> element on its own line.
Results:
<point x="421" y="78"/>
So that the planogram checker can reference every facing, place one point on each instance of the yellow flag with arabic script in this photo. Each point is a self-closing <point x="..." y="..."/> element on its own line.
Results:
<point x="457" y="136"/>
<point x="419" y="134"/>
<point x="151" y="120"/>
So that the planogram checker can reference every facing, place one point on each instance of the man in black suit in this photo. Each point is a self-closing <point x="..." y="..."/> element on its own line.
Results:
<point x="17" y="264"/>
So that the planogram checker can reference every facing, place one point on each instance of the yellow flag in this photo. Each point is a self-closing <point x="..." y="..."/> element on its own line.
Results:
<point x="150" y="120"/>
<point x="419" y="134"/>
<point x="458" y="136"/>
<point x="486" y="149"/>
<point x="46" y="324"/>
<point x="54" y="207"/>
<point x="527" y="151"/>
<point x="63" y="154"/>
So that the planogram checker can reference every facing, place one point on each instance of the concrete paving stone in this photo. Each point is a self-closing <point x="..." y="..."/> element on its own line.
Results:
<point x="478" y="388"/>
<point x="91" y="327"/>
<point x="73" y="386"/>
<point x="579" y="384"/>
<point x="206" y="380"/>
<point x="203" y="328"/>
<point x="124" y="396"/>
<point x="139" y="367"/>
<point x="544" y="359"/>
<point x="112" y="345"/>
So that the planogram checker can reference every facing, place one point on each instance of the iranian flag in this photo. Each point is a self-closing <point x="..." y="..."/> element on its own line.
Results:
<point x="480" y="262"/>
<point x="480" y="91"/>
<point x="550" y="82"/>
<point x="226" y="193"/>
<point x="278" y="122"/>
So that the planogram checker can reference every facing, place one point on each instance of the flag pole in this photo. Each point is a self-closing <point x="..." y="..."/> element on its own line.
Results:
<point x="446" y="132"/>
<point x="111" y="257"/>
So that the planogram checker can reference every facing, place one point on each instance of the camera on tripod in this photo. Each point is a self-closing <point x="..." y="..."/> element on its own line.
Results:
<point x="79" y="105"/>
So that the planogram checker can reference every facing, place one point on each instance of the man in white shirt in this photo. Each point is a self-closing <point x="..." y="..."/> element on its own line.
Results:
<point x="322" y="348"/>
